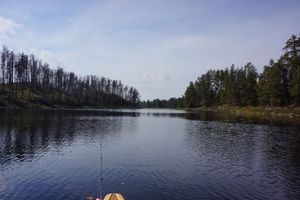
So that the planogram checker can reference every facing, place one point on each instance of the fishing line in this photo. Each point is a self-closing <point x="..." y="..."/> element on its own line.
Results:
<point x="100" y="178"/>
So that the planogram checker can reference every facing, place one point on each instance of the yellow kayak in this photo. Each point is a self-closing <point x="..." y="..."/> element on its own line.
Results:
<point x="114" y="196"/>
<point x="110" y="196"/>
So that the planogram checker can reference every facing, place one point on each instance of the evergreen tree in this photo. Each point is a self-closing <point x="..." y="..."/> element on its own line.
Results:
<point x="190" y="96"/>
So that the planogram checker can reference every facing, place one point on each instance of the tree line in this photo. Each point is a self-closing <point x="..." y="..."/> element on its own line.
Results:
<point x="23" y="77"/>
<point x="157" y="103"/>
<point x="277" y="85"/>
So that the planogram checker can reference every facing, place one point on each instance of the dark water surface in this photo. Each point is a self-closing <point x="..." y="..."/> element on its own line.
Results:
<point x="148" y="154"/>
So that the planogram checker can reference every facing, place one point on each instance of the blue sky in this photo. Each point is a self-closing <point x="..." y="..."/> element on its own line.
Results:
<point x="157" y="46"/>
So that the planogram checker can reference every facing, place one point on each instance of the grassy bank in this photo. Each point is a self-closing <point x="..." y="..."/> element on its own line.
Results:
<point x="291" y="112"/>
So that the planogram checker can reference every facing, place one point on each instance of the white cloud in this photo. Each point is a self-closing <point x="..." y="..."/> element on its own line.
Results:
<point x="7" y="30"/>
<point x="8" y="25"/>
<point x="154" y="82"/>
<point x="46" y="56"/>
<point x="153" y="77"/>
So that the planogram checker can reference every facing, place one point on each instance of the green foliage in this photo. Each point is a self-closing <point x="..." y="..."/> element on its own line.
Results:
<point x="291" y="60"/>
<point x="277" y="85"/>
<point x="190" y="96"/>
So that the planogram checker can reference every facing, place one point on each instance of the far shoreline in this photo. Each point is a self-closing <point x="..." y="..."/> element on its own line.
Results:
<point x="62" y="107"/>
<point x="290" y="112"/>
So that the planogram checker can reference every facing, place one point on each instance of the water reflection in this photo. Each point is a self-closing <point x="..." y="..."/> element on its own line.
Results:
<point x="149" y="154"/>
<point x="26" y="134"/>
<point x="233" y="118"/>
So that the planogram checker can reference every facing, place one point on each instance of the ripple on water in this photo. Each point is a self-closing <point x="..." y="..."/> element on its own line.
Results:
<point x="147" y="156"/>
<point x="3" y="184"/>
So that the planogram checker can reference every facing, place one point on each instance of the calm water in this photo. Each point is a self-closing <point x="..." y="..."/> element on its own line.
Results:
<point x="148" y="154"/>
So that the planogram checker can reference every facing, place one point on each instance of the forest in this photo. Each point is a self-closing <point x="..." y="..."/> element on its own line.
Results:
<point x="158" y="103"/>
<point x="27" y="81"/>
<point x="278" y="84"/>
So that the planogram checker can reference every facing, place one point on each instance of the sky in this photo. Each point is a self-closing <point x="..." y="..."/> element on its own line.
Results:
<point x="156" y="46"/>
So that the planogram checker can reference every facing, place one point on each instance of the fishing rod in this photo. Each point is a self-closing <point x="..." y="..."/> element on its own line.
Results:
<point x="110" y="196"/>
<point x="100" y="179"/>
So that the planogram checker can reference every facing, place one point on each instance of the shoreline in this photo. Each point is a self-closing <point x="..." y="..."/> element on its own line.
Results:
<point x="290" y="112"/>
<point x="61" y="107"/>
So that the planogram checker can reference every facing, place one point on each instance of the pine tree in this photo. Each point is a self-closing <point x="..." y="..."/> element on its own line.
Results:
<point x="190" y="96"/>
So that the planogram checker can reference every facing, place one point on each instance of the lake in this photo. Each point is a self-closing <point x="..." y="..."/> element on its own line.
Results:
<point x="147" y="154"/>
